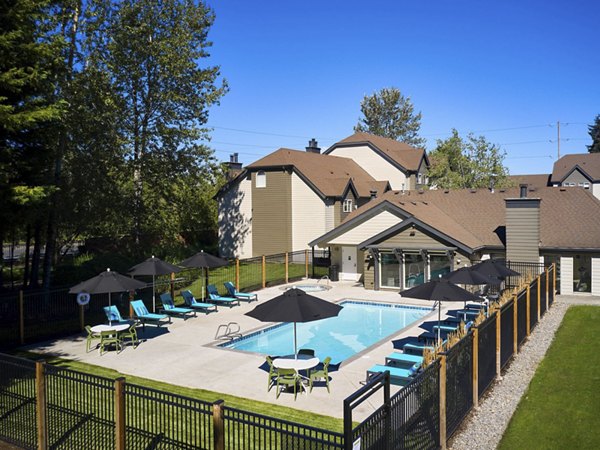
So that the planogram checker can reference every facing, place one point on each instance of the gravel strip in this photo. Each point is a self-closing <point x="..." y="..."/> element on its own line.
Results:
<point x="485" y="426"/>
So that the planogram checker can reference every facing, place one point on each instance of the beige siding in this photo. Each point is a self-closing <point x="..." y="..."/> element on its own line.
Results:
<point x="405" y="240"/>
<point x="329" y="215"/>
<point x="596" y="276"/>
<point x="309" y="214"/>
<point x="235" y="221"/>
<point x="272" y="215"/>
<point x="337" y="213"/>
<point x="522" y="230"/>
<point x="367" y="229"/>
<point x="575" y="177"/>
<point x="374" y="164"/>
<point x="566" y="275"/>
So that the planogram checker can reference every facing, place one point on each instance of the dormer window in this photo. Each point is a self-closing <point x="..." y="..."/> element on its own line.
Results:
<point x="261" y="179"/>
<point x="348" y="205"/>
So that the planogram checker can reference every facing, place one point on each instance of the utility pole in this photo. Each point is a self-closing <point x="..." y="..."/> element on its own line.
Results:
<point x="558" y="138"/>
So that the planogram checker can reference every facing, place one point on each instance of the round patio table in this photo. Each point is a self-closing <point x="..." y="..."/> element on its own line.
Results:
<point x="296" y="364"/>
<point x="117" y="327"/>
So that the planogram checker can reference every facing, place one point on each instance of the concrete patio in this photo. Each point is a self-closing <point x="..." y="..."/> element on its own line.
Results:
<point x="184" y="353"/>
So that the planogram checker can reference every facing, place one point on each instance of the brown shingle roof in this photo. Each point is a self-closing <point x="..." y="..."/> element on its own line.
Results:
<point x="568" y="217"/>
<point x="534" y="180"/>
<point x="407" y="156"/>
<point x="588" y="162"/>
<point x="329" y="174"/>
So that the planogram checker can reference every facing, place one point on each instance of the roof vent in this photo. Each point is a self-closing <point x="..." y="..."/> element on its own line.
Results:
<point x="472" y="191"/>
<point x="313" y="147"/>
<point x="446" y="191"/>
<point x="421" y="191"/>
<point x="373" y="194"/>
<point x="502" y="190"/>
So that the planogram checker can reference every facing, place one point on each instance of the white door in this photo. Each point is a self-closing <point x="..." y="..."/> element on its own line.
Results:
<point x="349" y="271"/>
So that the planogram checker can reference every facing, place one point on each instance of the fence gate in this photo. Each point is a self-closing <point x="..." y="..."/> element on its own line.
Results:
<point x="374" y="432"/>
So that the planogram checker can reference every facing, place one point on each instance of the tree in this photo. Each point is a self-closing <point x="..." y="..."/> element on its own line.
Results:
<point x="467" y="163"/>
<point x="389" y="114"/>
<point x="594" y="132"/>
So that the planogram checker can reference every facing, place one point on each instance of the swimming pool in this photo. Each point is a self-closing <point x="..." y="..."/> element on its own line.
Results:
<point x="358" y="326"/>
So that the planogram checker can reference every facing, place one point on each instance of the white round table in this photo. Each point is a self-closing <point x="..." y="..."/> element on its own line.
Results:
<point x="115" y="327"/>
<point x="297" y="364"/>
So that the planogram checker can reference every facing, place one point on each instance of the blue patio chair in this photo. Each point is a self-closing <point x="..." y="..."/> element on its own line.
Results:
<point x="168" y="307"/>
<point x="146" y="317"/>
<point x="397" y="375"/>
<point x="403" y="360"/>
<point x="213" y="295"/>
<point x="113" y="315"/>
<point x="233" y="292"/>
<point x="191" y="302"/>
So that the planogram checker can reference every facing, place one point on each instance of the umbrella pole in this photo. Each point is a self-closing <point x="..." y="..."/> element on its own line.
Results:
<point x="203" y="288"/>
<point x="109" y="314"/>
<point x="295" y="343"/>
<point x="153" y="295"/>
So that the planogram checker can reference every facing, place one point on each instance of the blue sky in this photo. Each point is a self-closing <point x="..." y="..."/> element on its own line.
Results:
<point x="507" y="70"/>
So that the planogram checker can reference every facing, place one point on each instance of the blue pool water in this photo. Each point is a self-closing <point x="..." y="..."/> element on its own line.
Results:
<point x="358" y="326"/>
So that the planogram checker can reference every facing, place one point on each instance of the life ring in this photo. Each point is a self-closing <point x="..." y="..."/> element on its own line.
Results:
<point x="83" y="298"/>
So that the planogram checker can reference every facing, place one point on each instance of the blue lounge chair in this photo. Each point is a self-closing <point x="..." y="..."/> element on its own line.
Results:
<point x="191" y="302"/>
<point x="144" y="316"/>
<point x="233" y="292"/>
<point x="403" y="360"/>
<point x="168" y="307"/>
<point x="114" y="316"/>
<point x="397" y="375"/>
<point x="213" y="295"/>
<point x="416" y="348"/>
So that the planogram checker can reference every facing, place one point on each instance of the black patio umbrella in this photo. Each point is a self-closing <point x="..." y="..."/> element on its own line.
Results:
<point x="493" y="268"/>
<point x="154" y="266"/>
<point x="295" y="305"/>
<point x="440" y="290"/>
<point x="204" y="261"/>
<point x="465" y="275"/>
<point x="107" y="282"/>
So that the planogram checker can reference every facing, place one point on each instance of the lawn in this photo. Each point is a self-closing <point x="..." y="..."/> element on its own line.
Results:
<point x="561" y="408"/>
<point x="282" y="412"/>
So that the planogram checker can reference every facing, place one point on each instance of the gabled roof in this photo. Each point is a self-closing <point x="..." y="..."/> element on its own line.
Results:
<point x="328" y="174"/>
<point x="533" y="180"/>
<point x="403" y="155"/>
<point x="475" y="218"/>
<point x="587" y="163"/>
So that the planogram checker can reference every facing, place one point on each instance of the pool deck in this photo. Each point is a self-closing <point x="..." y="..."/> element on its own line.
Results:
<point x="184" y="354"/>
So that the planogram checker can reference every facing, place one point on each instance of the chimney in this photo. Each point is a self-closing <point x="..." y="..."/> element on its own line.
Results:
<point x="234" y="166"/>
<point x="523" y="228"/>
<point x="492" y="185"/>
<point x="523" y="191"/>
<point x="313" y="147"/>
<point x="373" y="194"/>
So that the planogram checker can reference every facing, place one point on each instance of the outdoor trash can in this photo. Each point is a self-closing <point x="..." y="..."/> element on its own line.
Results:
<point x="334" y="274"/>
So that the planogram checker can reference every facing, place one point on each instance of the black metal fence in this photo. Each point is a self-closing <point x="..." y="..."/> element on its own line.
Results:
<point x="521" y="317"/>
<point x="459" y="383"/>
<point x="543" y="293"/>
<point x="533" y="304"/>
<point x="486" y="354"/>
<point x="507" y="330"/>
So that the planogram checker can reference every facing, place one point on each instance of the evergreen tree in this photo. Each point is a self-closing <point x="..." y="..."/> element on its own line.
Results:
<point x="389" y="114"/>
<point x="594" y="132"/>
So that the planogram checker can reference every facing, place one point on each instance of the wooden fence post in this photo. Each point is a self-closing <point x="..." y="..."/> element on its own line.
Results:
<point x="237" y="274"/>
<point x="21" y="317"/>
<point x="547" y="287"/>
<point x="264" y="271"/>
<point x="218" y="425"/>
<point x="443" y="402"/>
<point x="515" y="333"/>
<point x="305" y="263"/>
<point x="287" y="267"/>
<point x="120" y="441"/>
<point x="42" y="421"/>
<point x="82" y="317"/>
<point x="528" y="298"/>
<point x="539" y="298"/>
<point x="498" y="342"/>
<point x="553" y="281"/>
<point x="475" y="372"/>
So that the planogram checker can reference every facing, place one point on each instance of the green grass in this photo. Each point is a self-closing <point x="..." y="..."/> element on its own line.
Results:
<point x="561" y="408"/>
<point x="273" y="410"/>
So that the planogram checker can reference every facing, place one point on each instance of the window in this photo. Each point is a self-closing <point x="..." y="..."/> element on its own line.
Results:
<point x="347" y="205"/>
<point x="261" y="179"/>
<point x="419" y="178"/>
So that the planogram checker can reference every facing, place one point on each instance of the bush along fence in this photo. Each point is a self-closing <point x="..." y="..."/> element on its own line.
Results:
<point x="43" y="406"/>
<point x="33" y="316"/>
<point x="429" y="410"/>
